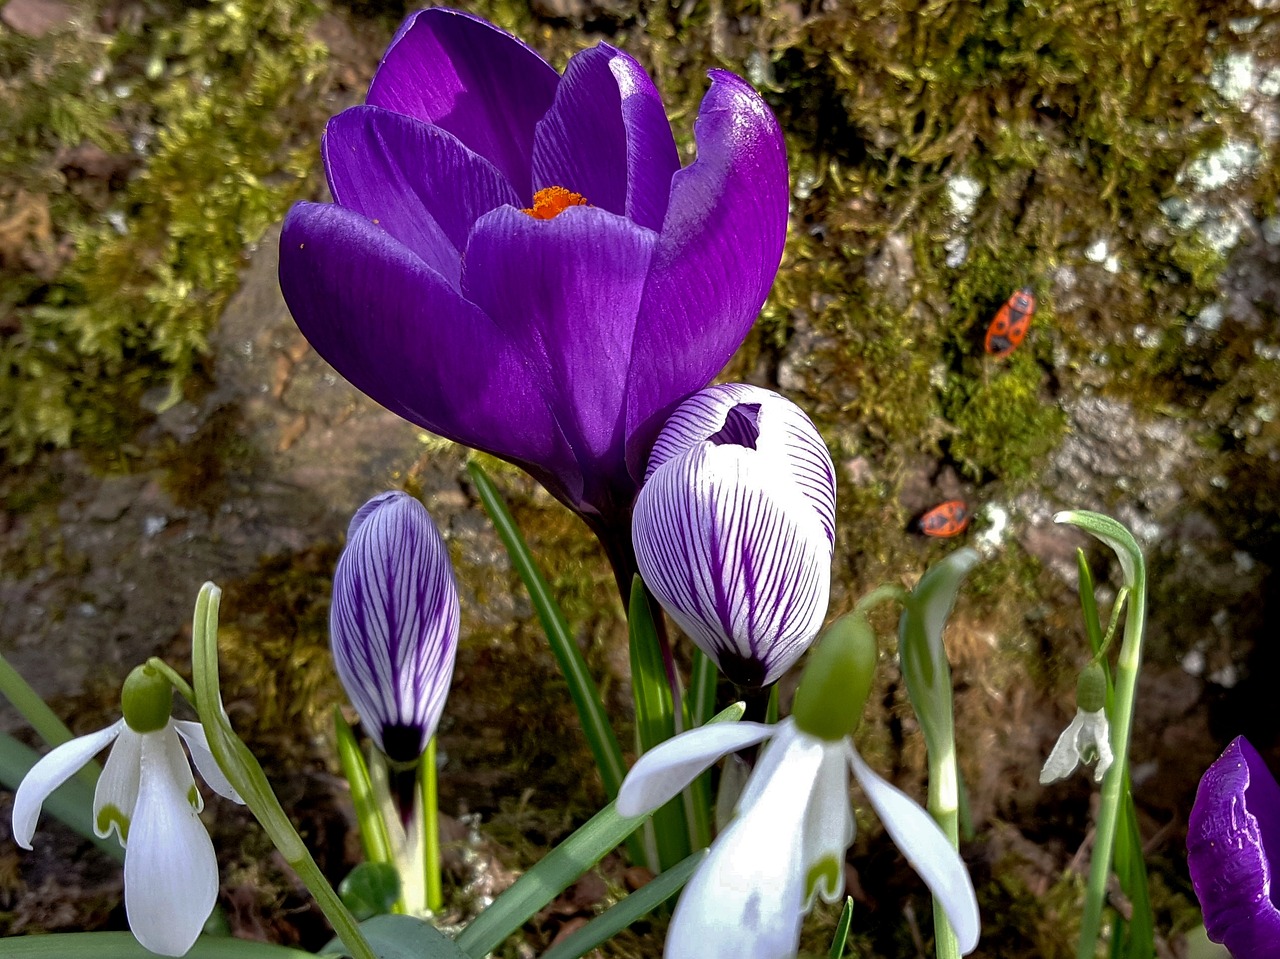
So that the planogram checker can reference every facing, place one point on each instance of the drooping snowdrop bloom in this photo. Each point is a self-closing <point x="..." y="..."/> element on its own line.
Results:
<point x="1233" y="842"/>
<point x="394" y="623"/>
<point x="515" y="259"/>
<point x="1088" y="737"/>
<point x="148" y="797"/>
<point x="794" y="824"/>
<point x="735" y="525"/>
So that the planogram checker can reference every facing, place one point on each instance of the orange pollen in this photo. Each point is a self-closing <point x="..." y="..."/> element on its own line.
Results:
<point x="551" y="201"/>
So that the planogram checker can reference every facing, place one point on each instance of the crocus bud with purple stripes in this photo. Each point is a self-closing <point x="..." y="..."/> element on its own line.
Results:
<point x="735" y="525"/>
<point x="393" y="624"/>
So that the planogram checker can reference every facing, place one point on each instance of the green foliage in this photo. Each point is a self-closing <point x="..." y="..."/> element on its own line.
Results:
<point x="1003" y="424"/>
<point x="228" y="86"/>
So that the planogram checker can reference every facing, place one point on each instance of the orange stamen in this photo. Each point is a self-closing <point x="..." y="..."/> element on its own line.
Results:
<point x="551" y="201"/>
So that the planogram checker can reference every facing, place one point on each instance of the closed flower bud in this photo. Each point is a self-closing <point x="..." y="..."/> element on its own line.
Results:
<point x="734" y="528"/>
<point x="394" y="623"/>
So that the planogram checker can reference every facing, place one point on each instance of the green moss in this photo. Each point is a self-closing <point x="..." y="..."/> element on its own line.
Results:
<point x="228" y="85"/>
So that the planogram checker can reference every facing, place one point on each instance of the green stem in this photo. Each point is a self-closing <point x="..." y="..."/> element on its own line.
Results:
<point x="246" y="775"/>
<point x="430" y="799"/>
<point x="177" y="682"/>
<point x="1126" y="548"/>
<point x="944" y="806"/>
<point x="886" y="593"/>
<point x="1113" y="784"/>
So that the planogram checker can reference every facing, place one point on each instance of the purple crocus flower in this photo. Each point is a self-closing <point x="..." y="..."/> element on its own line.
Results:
<point x="393" y="624"/>
<point x="735" y="525"/>
<point x="1233" y="836"/>
<point x="515" y="259"/>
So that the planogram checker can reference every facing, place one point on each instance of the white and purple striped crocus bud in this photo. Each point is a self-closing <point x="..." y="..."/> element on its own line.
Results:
<point x="734" y="528"/>
<point x="393" y="624"/>
<point x="1233" y="852"/>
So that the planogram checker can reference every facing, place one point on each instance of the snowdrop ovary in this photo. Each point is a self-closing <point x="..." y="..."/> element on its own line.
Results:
<point x="833" y="690"/>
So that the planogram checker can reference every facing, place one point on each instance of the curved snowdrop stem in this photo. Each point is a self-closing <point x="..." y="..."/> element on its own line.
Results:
<point x="243" y="772"/>
<point x="1134" y="567"/>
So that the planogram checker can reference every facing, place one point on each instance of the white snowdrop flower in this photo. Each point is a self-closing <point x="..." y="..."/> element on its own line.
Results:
<point x="148" y="797"/>
<point x="1088" y="737"/>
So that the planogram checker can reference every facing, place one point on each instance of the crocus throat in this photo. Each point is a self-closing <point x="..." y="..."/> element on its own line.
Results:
<point x="551" y="201"/>
<point x="741" y="427"/>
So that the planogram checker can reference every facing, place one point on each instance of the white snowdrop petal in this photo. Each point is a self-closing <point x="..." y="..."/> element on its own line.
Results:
<point x="828" y="829"/>
<point x="170" y="871"/>
<point x="117" y="793"/>
<point x="745" y="901"/>
<point x="1065" y="755"/>
<point x="926" y="847"/>
<point x="194" y="736"/>
<point x="51" y="772"/>
<point x="663" y="771"/>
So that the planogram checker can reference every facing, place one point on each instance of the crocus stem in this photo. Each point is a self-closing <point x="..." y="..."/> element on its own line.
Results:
<point x="430" y="800"/>
<point x="245" y="774"/>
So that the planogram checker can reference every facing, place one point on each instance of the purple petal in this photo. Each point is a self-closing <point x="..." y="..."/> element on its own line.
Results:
<point x="607" y="138"/>
<point x="773" y="425"/>
<point x="414" y="180"/>
<point x="466" y="76"/>
<point x="565" y="291"/>
<point x="736" y="556"/>
<point x="394" y="623"/>
<point x="1232" y="834"/>
<point x="398" y="332"/>
<point x="716" y="259"/>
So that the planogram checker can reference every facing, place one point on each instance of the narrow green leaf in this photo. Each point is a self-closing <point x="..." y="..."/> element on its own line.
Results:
<point x="842" y="930"/>
<point x="699" y="706"/>
<point x="655" y="720"/>
<point x="373" y="831"/>
<point x="552" y="875"/>
<point x="122" y="945"/>
<point x="1089" y="603"/>
<point x="556" y="871"/>
<point x="582" y="688"/>
<point x="702" y="689"/>
<point x="920" y="648"/>
<point x="401" y="937"/>
<point x="71" y="803"/>
<point x="370" y="889"/>
<point x="622" y="914"/>
<point x="655" y="717"/>
<point x="1132" y="871"/>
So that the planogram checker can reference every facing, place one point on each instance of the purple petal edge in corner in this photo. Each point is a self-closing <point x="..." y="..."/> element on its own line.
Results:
<point x="1232" y="834"/>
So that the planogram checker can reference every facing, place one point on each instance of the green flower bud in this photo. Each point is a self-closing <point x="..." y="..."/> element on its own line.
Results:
<point x="146" y="700"/>
<point x="1091" y="688"/>
<point x="833" y="690"/>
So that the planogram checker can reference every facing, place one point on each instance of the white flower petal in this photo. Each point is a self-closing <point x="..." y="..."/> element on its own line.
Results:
<point x="786" y="736"/>
<point x="198" y="744"/>
<point x="1084" y="733"/>
<point x="51" y="772"/>
<point x="785" y="436"/>
<point x="662" y="772"/>
<point x="926" y="847"/>
<point x="170" y="871"/>
<point x="828" y="827"/>
<point x="737" y="557"/>
<point x="117" y="793"/>
<point x="746" y="900"/>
